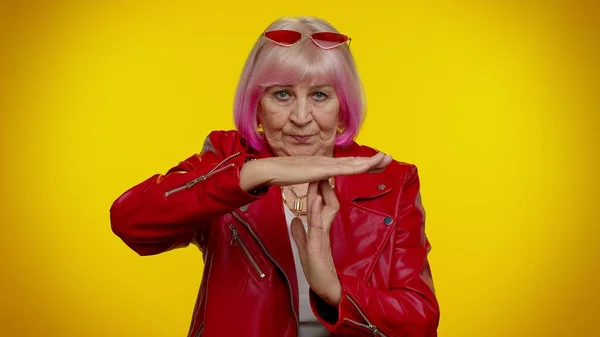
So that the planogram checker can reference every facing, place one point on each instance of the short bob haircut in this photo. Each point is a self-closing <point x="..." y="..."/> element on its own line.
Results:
<point x="270" y="64"/>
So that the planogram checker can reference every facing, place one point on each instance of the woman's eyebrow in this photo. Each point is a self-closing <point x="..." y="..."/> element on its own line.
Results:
<point x="321" y="86"/>
<point x="281" y="87"/>
<point x="291" y="87"/>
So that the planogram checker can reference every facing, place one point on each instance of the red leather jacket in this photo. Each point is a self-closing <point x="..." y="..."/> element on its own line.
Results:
<point x="249" y="285"/>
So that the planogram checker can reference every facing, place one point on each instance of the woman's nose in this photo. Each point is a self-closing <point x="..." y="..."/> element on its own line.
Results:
<point x="301" y="113"/>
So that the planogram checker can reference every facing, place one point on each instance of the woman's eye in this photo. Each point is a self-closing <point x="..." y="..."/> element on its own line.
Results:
<point x="319" y="95"/>
<point x="282" y="95"/>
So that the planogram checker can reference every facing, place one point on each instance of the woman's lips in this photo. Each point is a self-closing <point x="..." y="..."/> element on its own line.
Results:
<point x="302" y="139"/>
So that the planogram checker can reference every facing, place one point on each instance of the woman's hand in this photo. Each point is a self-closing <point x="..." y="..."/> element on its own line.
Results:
<point x="283" y="171"/>
<point x="314" y="247"/>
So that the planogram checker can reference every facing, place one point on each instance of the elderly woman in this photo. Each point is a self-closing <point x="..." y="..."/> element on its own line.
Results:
<point x="303" y="231"/>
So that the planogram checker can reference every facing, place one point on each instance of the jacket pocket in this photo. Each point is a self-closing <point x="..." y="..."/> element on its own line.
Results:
<point x="369" y="326"/>
<point x="236" y="241"/>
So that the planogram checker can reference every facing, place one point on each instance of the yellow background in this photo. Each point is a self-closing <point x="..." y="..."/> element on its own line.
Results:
<point x="497" y="104"/>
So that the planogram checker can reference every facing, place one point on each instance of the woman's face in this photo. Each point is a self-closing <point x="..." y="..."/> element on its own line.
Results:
<point x="301" y="119"/>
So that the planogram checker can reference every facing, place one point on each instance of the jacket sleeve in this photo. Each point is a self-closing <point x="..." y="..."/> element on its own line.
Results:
<point x="409" y="307"/>
<point x="172" y="210"/>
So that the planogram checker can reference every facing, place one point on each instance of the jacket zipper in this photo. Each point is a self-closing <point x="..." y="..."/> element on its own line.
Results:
<point x="278" y="267"/>
<point x="376" y="332"/>
<point x="201" y="328"/>
<point x="193" y="182"/>
<point x="235" y="239"/>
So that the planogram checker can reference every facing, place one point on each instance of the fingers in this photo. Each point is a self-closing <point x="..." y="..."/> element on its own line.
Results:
<point x="299" y="235"/>
<point x="362" y="161"/>
<point x="329" y="197"/>
<point x="357" y="165"/>
<point x="380" y="161"/>
<point x="332" y="205"/>
<point x="315" y="220"/>
<point x="385" y="161"/>
<point x="313" y="190"/>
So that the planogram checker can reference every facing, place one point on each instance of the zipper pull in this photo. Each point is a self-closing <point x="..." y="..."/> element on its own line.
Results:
<point x="194" y="182"/>
<point x="234" y="236"/>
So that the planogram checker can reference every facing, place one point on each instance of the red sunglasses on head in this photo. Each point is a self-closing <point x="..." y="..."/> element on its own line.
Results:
<point x="325" y="40"/>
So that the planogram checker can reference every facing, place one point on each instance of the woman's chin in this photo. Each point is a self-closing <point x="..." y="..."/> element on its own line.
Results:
<point x="308" y="150"/>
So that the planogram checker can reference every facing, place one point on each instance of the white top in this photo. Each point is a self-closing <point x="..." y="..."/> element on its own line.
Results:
<point x="309" y="325"/>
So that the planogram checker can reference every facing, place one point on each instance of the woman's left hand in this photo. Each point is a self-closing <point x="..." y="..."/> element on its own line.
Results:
<point x="314" y="247"/>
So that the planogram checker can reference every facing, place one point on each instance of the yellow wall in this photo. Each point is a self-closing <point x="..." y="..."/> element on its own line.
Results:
<point x="496" y="103"/>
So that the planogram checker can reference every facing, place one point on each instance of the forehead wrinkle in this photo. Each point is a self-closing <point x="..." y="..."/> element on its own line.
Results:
<point x="321" y="85"/>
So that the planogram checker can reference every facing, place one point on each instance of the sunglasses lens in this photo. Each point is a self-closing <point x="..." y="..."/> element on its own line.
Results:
<point x="328" y="39"/>
<point x="286" y="37"/>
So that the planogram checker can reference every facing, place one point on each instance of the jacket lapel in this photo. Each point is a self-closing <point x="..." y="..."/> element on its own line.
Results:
<point x="365" y="219"/>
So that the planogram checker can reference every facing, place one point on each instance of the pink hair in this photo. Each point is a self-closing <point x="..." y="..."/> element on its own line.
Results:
<point x="270" y="64"/>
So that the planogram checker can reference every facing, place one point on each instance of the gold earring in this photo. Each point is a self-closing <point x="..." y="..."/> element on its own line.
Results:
<point x="259" y="128"/>
<point x="340" y="129"/>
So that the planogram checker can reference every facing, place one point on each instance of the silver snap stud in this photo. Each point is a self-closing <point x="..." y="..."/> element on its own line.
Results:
<point x="244" y="208"/>
<point x="388" y="220"/>
<point x="381" y="187"/>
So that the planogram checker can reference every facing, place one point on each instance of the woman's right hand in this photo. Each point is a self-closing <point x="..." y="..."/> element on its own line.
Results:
<point x="283" y="171"/>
